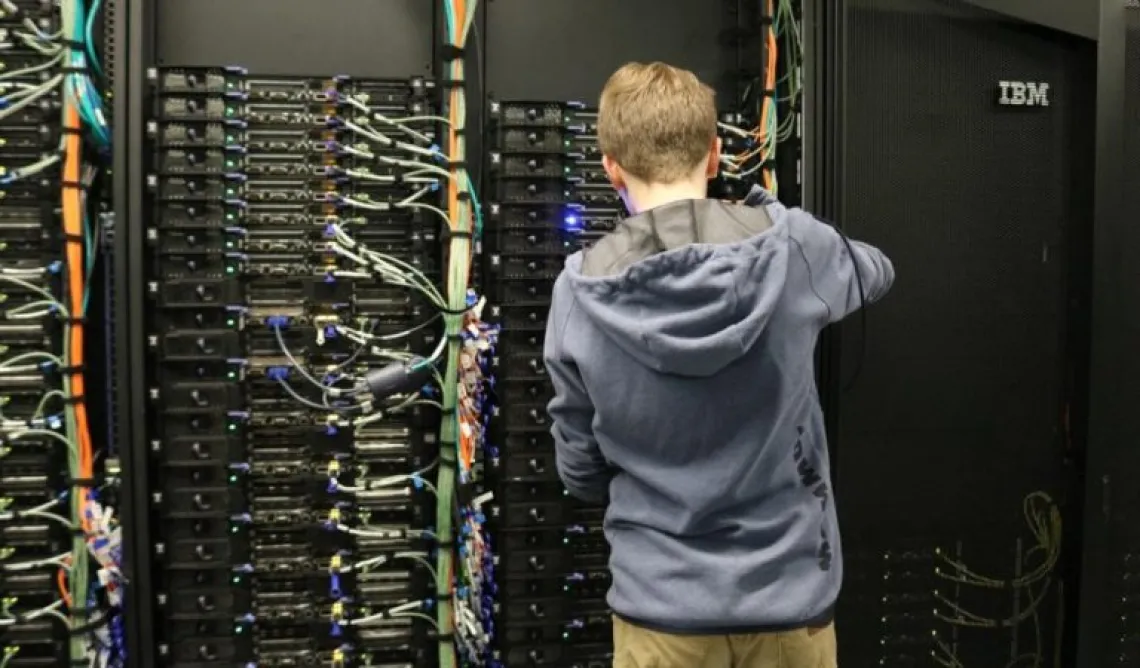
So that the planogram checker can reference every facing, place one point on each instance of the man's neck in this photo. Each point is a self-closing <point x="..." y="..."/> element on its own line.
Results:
<point x="645" y="197"/>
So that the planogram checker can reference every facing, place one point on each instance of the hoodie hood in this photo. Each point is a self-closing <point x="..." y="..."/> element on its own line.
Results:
<point x="686" y="288"/>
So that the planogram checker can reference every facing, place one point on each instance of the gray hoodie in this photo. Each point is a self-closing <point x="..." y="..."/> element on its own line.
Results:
<point x="681" y="351"/>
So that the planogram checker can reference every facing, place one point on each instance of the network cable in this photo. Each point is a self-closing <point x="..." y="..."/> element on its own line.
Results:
<point x="464" y="562"/>
<point x="60" y="415"/>
<point x="386" y="150"/>
<point x="1044" y="520"/>
<point x="762" y="142"/>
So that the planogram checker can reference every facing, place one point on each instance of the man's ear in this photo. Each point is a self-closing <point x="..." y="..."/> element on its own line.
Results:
<point x="613" y="172"/>
<point x="712" y="168"/>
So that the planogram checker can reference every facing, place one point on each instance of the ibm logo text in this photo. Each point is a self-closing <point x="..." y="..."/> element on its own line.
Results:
<point x="1023" y="94"/>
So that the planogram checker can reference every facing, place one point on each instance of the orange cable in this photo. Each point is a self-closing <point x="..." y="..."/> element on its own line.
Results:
<point x="770" y="85"/>
<point x="458" y="12"/>
<point x="61" y="583"/>
<point x="72" y="205"/>
<point x="760" y="134"/>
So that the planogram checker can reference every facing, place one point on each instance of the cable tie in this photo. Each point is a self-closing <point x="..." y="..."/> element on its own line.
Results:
<point x="71" y="131"/>
<point x="450" y="52"/>
<point x="73" y="370"/>
<point x="71" y="69"/>
<point x="452" y="83"/>
<point x="457" y="234"/>
<point x="79" y="532"/>
<point x="463" y="196"/>
<point x="85" y="483"/>
<point x="766" y="20"/>
<point x="447" y="412"/>
<point x="768" y="92"/>
<point x="457" y="164"/>
<point x="73" y="400"/>
<point x="73" y="185"/>
<point x="74" y="45"/>
<point x="71" y="320"/>
<point x="448" y="311"/>
<point x="74" y="238"/>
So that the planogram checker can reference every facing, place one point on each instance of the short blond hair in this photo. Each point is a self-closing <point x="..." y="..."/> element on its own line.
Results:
<point x="656" y="121"/>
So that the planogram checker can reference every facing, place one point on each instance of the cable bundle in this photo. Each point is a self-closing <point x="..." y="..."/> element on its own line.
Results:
<point x="1044" y="520"/>
<point x="770" y="93"/>
<point x="464" y="226"/>
<point x="474" y="587"/>
<point x="60" y="415"/>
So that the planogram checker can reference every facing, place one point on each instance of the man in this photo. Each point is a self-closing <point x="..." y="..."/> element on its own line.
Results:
<point x="681" y="347"/>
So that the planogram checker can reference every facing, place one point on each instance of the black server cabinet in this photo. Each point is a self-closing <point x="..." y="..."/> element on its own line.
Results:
<point x="223" y="185"/>
<point x="969" y="161"/>
<point x="1107" y="619"/>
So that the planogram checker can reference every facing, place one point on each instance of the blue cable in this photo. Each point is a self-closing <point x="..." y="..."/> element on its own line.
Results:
<point x="476" y="207"/>
<point x="86" y="97"/>
<point x="89" y="43"/>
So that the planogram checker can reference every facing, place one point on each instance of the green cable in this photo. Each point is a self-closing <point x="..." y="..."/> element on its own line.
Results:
<point x="77" y="578"/>
<point x="456" y="282"/>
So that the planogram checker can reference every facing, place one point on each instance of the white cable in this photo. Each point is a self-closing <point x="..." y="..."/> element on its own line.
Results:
<point x="56" y="561"/>
<point x="397" y="611"/>
<point x="47" y="610"/>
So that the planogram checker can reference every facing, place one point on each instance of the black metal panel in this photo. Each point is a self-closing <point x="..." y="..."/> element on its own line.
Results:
<point x="132" y="38"/>
<point x="1079" y="17"/>
<point x="372" y="38"/>
<point x="960" y="407"/>
<point x="1108" y="616"/>
<point x="824" y="96"/>
<point x="566" y="49"/>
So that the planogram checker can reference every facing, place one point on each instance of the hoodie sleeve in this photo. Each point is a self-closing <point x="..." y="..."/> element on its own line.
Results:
<point x="836" y="265"/>
<point x="581" y="466"/>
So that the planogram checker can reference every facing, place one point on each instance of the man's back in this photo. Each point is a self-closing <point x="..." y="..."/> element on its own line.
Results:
<point x="680" y="349"/>
<point x="682" y="346"/>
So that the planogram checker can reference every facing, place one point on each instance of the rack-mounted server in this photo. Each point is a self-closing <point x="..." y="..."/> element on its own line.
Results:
<point x="548" y="197"/>
<point x="290" y="518"/>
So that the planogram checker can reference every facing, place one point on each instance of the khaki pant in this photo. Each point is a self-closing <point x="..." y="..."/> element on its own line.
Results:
<point x="636" y="647"/>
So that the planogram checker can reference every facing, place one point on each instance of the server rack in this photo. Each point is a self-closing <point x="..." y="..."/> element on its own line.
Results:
<point x="839" y="86"/>
<point x="1105" y="628"/>
<point x="134" y="31"/>
<point x="139" y="119"/>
